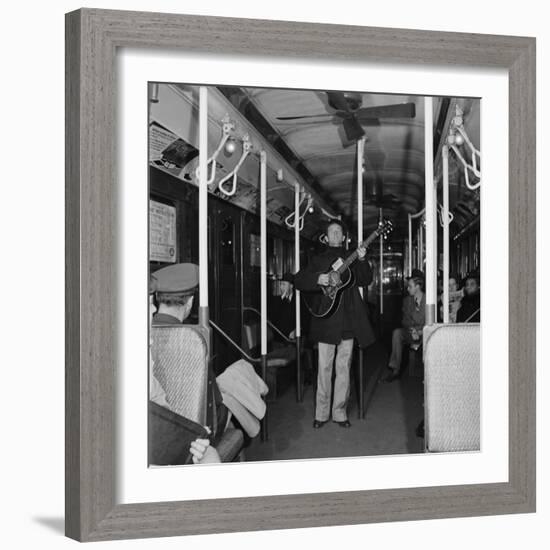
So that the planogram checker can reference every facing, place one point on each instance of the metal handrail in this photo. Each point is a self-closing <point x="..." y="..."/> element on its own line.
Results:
<point x="228" y="338"/>
<point x="473" y="315"/>
<point x="270" y="323"/>
<point x="275" y="328"/>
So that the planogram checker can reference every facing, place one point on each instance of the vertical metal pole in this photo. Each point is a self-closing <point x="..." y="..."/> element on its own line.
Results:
<point x="445" y="154"/>
<point x="240" y="275"/>
<point x="297" y="293"/>
<point x="431" y="213"/>
<point x="381" y="250"/>
<point x="417" y="261"/>
<point x="417" y="265"/>
<point x="416" y="251"/>
<point x="421" y="245"/>
<point x="203" y="207"/>
<point x="435" y="245"/>
<point x="263" y="276"/>
<point x="263" y="251"/>
<point x="360" y="152"/>
<point x="410" y="244"/>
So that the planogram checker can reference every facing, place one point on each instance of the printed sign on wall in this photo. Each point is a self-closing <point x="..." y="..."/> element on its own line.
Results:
<point x="162" y="232"/>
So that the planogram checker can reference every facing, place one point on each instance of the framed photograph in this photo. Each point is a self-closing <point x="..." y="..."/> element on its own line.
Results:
<point x="293" y="299"/>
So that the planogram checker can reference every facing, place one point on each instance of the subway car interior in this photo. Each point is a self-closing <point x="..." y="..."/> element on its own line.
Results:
<point x="244" y="183"/>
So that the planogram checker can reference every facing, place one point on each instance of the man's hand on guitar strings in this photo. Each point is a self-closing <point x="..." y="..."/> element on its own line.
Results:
<point x="361" y="252"/>
<point x="323" y="279"/>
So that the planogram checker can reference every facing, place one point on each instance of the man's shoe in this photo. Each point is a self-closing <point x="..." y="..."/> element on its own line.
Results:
<point x="344" y="423"/>
<point x="319" y="423"/>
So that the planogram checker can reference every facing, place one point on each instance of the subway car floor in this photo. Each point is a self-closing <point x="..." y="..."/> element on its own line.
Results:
<point x="393" y="412"/>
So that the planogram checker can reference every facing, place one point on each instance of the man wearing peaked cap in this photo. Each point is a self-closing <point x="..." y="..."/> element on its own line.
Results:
<point x="178" y="278"/>
<point x="201" y="449"/>
<point x="175" y="286"/>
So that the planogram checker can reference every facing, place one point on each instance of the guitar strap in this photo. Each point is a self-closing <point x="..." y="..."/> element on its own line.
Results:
<point x="311" y="312"/>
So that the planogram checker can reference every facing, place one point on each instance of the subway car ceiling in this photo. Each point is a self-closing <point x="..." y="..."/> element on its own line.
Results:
<point x="309" y="139"/>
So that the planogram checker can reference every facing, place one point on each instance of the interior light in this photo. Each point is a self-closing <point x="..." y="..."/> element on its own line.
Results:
<point x="230" y="147"/>
<point x="459" y="139"/>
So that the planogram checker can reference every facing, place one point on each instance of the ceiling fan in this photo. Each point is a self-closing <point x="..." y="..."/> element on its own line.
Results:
<point x="347" y="106"/>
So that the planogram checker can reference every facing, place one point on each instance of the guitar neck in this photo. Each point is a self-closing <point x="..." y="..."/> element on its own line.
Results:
<point x="353" y="256"/>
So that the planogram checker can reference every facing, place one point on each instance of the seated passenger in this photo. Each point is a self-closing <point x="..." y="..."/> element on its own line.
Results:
<point x="200" y="449"/>
<point x="470" y="305"/>
<point x="281" y="306"/>
<point x="412" y="324"/>
<point x="281" y="309"/>
<point x="455" y="296"/>
<point x="176" y="286"/>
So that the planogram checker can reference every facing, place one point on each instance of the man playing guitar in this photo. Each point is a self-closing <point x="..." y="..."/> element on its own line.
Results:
<point x="335" y="332"/>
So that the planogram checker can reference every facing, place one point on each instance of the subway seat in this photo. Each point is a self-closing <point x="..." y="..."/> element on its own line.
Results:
<point x="279" y="354"/>
<point x="180" y="354"/>
<point x="452" y="387"/>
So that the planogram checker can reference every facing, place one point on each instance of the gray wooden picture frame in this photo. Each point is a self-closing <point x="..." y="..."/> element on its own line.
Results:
<point x="92" y="39"/>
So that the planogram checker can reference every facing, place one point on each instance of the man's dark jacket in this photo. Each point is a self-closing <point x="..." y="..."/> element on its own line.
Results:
<point x="413" y="316"/>
<point x="351" y="318"/>
<point x="469" y="309"/>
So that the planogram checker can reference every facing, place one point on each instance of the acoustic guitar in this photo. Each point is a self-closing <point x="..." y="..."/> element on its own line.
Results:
<point x="341" y="277"/>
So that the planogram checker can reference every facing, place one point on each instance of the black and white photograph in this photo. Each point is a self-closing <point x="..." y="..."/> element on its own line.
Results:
<point x="280" y="305"/>
<point x="314" y="274"/>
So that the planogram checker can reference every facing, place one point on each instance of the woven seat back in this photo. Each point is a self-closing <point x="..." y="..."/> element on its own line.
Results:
<point x="452" y="387"/>
<point x="180" y="355"/>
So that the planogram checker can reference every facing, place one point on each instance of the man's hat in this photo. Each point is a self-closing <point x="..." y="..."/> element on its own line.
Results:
<point x="180" y="279"/>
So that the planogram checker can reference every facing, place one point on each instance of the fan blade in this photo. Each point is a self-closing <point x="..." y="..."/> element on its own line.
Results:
<point x="304" y="116"/>
<point x="337" y="101"/>
<point x="353" y="129"/>
<point x="400" y="110"/>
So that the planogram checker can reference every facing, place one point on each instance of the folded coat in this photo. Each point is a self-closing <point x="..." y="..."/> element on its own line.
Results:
<point x="242" y="390"/>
